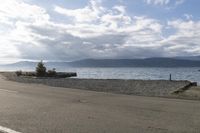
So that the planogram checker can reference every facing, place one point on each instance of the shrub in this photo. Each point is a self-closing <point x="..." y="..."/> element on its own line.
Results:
<point x="40" y="69"/>
<point x="31" y="74"/>
<point x="52" y="73"/>
<point x="18" y="73"/>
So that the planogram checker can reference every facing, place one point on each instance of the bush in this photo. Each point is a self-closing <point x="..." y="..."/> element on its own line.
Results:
<point x="52" y="73"/>
<point x="18" y="73"/>
<point x="40" y="69"/>
<point x="31" y="74"/>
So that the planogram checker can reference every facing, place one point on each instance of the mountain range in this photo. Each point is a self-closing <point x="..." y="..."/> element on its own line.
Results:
<point x="148" y="62"/>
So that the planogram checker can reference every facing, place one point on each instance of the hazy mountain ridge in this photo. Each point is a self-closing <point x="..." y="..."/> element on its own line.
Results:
<point x="148" y="62"/>
<point x="194" y="58"/>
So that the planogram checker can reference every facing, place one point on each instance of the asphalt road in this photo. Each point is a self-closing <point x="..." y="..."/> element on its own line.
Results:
<point x="32" y="108"/>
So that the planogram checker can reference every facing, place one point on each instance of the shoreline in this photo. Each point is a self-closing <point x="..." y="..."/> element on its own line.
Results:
<point x="151" y="88"/>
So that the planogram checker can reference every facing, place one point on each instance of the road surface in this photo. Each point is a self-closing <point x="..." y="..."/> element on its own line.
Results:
<point x="33" y="108"/>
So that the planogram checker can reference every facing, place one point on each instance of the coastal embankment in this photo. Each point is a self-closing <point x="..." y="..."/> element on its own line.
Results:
<point x="160" y="88"/>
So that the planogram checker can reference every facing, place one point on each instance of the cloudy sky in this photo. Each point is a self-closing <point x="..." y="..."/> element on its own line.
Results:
<point x="77" y="29"/>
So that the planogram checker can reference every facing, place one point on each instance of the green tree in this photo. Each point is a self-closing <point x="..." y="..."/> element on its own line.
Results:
<point x="40" y="69"/>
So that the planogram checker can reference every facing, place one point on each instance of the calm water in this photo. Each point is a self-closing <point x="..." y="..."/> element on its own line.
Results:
<point x="191" y="74"/>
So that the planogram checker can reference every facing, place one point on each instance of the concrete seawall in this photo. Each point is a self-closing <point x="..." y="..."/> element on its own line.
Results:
<point x="130" y="87"/>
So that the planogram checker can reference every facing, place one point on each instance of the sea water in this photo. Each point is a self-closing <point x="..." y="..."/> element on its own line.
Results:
<point x="192" y="74"/>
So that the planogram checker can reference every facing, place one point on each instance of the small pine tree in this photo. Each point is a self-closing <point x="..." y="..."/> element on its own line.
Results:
<point x="40" y="69"/>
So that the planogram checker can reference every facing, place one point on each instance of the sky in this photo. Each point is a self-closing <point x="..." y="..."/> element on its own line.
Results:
<point x="67" y="30"/>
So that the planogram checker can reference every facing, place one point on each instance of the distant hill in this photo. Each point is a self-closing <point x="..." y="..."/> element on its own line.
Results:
<point x="194" y="58"/>
<point x="28" y="65"/>
<point x="148" y="62"/>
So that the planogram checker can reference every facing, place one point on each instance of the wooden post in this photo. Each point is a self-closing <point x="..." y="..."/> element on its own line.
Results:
<point x="170" y="77"/>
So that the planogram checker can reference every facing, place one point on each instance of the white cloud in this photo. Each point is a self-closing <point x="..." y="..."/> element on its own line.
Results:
<point x="89" y="13"/>
<point x="115" y="24"/>
<point x="186" y="40"/>
<point x="18" y="10"/>
<point x="120" y="8"/>
<point x="179" y="2"/>
<point x="13" y="13"/>
<point x="158" y="2"/>
<point x="28" y="32"/>
<point x="188" y="16"/>
<point x="165" y="2"/>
